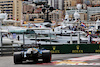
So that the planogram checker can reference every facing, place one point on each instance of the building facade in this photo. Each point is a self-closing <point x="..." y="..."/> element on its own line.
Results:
<point x="83" y="14"/>
<point x="57" y="4"/>
<point x="13" y="8"/>
<point x="70" y="4"/>
<point x="93" y="13"/>
<point x="55" y="16"/>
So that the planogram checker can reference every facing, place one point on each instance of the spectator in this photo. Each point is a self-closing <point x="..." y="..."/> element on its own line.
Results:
<point x="69" y="28"/>
<point x="18" y="37"/>
<point x="73" y="28"/>
<point x="89" y="39"/>
<point x="6" y="35"/>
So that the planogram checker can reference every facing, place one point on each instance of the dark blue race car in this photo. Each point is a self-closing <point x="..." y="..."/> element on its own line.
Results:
<point x="32" y="53"/>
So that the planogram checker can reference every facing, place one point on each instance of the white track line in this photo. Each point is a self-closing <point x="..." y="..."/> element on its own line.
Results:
<point x="79" y="64"/>
<point x="79" y="60"/>
<point x="85" y="58"/>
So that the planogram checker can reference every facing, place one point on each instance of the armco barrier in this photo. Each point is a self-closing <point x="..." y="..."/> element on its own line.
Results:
<point x="9" y="50"/>
<point x="59" y="49"/>
<point x="73" y="48"/>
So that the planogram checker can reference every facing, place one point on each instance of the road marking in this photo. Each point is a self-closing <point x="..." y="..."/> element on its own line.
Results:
<point x="85" y="58"/>
<point x="79" y="61"/>
<point x="68" y="62"/>
<point x="79" y="64"/>
<point x="75" y="61"/>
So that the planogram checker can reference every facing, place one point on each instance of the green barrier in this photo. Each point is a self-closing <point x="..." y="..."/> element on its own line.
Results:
<point x="73" y="48"/>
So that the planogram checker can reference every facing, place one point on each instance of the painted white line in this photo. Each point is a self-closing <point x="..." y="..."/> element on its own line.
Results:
<point x="86" y="58"/>
<point x="79" y="60"/>
<point x="79" y="64"/>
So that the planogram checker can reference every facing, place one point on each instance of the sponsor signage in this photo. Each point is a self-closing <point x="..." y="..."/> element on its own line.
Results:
<point x="98" y="50"/>
<point x="73" y="48"/>
<point x="54" y="50"/>
<point x="77" y="50"/>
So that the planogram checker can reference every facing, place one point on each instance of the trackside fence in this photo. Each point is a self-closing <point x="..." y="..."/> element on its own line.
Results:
<point x="9" y="50"/>
<point x="56" y="49"/>
<point x="73" y="48"/>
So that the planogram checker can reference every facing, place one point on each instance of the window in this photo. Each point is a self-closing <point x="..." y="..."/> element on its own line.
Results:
<point x="1" y="2"/>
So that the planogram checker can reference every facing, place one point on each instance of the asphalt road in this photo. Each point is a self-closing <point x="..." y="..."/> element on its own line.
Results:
<point x="7" y="61"/>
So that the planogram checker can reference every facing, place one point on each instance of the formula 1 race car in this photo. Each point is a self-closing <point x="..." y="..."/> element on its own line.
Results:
<point x="32" y="53"/>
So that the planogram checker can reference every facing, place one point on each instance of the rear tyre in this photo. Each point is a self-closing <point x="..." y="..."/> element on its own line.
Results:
<point x="35" y="57"/>
<point x="17" y="58"/>
<point x="46" y="57"/>
<point x="36" y="60"/>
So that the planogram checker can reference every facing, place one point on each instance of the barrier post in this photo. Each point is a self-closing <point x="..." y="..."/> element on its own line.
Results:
<point x="71" y="38"/>
<point x="78" y="38"/>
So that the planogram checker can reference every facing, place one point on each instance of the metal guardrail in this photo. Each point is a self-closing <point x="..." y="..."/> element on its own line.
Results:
<point x="56" y="49"/>
<point x="9" y="50"/>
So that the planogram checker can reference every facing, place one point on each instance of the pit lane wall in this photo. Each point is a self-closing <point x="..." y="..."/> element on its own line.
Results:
<point x="73" y="48"/>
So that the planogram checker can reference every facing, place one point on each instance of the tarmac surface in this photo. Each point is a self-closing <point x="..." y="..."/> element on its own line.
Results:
<point x="58" y="60"/>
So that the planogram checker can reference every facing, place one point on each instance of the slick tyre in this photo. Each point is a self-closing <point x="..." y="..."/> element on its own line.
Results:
<point x="36" y="60"/>
<point x="17" y="58"/>
<point x="46" y="57"/>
